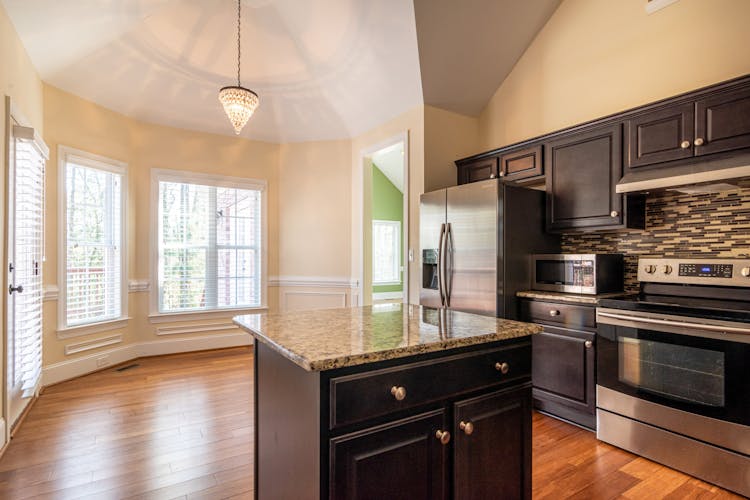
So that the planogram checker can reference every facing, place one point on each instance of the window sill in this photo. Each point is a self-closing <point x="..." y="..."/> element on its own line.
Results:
<point x="88" y="328"/>
<point x="196" y="315"/>
<point x="386" y="283"/>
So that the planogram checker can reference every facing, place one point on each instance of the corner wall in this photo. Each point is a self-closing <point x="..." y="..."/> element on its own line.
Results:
<point x="594" y="58"/>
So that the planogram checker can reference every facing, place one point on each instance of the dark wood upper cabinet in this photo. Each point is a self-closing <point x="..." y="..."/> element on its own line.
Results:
<point x="520" y="164"/>
<point x="492" y="433"/>
<point x="722" y="122"/>
<point x="477" y="170"/>
<point x="660" y="136"/>
<point x="582" y="171"/>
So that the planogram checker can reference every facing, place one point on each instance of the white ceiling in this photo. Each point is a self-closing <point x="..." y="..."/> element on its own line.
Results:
<point x="467" y="48"/>
<point x="390" y="161"/>
<point x="324" y="69"/>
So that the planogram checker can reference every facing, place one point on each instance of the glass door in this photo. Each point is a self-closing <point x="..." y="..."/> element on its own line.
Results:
<point x="25" y="247"/>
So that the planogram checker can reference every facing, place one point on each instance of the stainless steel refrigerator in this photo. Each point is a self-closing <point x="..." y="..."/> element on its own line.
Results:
<point x="475" y="246"/>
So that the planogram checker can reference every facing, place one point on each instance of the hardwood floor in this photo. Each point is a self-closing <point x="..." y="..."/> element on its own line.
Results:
<point x="181" y="427"/>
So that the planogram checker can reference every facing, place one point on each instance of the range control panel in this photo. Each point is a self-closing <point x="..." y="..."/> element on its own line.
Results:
<point x="724" y="272"/>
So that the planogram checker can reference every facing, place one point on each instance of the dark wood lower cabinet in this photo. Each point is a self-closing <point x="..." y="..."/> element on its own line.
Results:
<point x="564" y="360"/>
<point x="401" y="460"/>
<point x="492" y="456"/>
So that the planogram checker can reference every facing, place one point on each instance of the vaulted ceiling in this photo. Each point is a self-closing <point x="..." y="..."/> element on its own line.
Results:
<point x="324" y="69"/>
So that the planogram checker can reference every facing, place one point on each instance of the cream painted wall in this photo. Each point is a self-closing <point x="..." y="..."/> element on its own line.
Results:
<point x="75" y="122"/>
<point x="448" y="137"/>
<point x="20" y="81"/>
<point x="595" y="58"/>
<point x="411" y="122"/>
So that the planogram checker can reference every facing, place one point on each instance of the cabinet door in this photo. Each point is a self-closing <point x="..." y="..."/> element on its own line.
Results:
<point x="723" y="122"/>
<point x="492" y="446"/>
<point x="660" y="136"/>
<point x="582" y="172"/>
<point x="477" y="170"/>
<point x="563" y="373"/>
<point x="400" y="460"/>
<point x="523" y="163"/>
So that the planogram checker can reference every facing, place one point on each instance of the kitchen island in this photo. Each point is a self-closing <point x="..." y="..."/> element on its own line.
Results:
<point x="391" y="401"/>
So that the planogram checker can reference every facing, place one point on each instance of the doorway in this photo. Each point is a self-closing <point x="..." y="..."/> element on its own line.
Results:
<point x="385" y="222"/>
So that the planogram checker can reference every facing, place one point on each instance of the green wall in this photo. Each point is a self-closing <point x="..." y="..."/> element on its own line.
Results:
<point x="387" y="204"/>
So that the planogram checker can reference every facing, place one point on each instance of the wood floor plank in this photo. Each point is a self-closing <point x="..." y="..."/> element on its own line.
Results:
<point x="181" y="427"/>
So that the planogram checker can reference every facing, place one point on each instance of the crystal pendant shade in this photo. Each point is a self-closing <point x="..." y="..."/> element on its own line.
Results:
<point x="239" y="104"/>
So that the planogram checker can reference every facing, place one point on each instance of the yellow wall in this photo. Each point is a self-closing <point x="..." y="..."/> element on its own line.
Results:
<point x="448" y="136"/>
<point x="20" y="81"/>
<point x="595" y="58"/>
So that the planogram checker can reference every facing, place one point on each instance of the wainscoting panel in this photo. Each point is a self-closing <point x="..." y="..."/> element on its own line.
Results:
<point x="299" y="293"/>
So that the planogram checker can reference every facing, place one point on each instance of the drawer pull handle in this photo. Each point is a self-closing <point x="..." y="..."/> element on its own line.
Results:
<point x="443" y="436"/>
<point x="588" y="344"/>
<point x="502" y="367"/>
<point x="467" y="427"/>
<point x="398" y="392"/>
<point x="554" y="312"/>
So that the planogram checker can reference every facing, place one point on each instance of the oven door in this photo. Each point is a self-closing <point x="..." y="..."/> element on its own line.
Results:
<point x="689" y="364"/>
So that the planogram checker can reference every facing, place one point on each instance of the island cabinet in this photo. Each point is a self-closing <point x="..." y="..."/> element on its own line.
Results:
<point x="450" y="424"/>
<point x="564" y="359"/>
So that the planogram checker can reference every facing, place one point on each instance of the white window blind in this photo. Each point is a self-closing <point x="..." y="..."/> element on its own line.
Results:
<point x="27" y="265"/>
<point x="209" y="239"/>
<point x="93" y="242"/>
<point x="386" y="251"/>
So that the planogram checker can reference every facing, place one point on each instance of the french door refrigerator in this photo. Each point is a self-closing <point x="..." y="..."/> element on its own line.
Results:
<point x="475" y="246"/>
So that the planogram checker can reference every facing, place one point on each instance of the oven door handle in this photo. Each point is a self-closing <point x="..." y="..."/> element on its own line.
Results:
<point x="683" y="324"/>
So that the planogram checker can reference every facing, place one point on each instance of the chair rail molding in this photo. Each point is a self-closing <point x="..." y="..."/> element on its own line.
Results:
<point x="313" y="281"/>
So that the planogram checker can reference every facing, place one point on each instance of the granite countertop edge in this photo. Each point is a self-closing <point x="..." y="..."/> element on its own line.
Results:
<point x="331" y="363"/>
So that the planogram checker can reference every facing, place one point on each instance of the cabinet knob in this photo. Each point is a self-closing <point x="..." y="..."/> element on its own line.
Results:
<point x="614" y="213"/>
<point x="502" y="367"/>
<point x="588" y="344"/>
<point x="467" y="427"/>
<point x="502" y="173"/>
<point x="698" y="141"/>
<point x="398" y="392"/>
<point x="685" y="144"/>
<point x="492" y="176"/>
<point x="554" y="312"/>
<point x="444" y="437"/>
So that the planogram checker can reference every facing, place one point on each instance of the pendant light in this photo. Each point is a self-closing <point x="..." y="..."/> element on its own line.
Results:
<point x="239" y="102"/>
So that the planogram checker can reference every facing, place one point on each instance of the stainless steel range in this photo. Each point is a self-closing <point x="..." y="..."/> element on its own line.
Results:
<point x="673" y="368"/>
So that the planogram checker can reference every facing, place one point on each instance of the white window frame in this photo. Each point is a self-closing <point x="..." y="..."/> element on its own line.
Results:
<point x="67" y="154"/>
<point x="397" y="247"/>
<point x="168" y="175"/>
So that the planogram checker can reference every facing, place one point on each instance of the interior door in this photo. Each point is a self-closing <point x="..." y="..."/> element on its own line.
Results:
<point x="25" y="244"/>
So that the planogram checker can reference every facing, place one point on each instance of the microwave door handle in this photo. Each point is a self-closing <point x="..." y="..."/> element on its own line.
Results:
<point x="440" y="265"/>
<point x="667" y="322"/>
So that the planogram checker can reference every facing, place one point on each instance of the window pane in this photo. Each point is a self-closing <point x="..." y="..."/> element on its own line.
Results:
<point x="386" y="251"/>
<point x="209" y="247"/>
<point x="93" y="290"/>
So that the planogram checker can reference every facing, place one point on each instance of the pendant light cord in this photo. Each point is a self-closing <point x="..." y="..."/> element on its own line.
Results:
<point x="239" y="49"/>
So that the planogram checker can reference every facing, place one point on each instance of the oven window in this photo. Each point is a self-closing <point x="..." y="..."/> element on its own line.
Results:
<point x="674" y="371"/>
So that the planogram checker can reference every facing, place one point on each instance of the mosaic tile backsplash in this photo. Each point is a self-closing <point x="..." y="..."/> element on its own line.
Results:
<point x="677" y="225"/>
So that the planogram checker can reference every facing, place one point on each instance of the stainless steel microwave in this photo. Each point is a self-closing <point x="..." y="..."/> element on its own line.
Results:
<point x="578" y="273"/>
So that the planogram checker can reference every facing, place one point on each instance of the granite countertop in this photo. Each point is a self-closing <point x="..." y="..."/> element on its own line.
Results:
<point x="325" y="339"/>
<point x="574" y="298"/>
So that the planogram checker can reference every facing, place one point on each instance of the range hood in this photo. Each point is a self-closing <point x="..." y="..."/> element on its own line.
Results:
<point x="723" y="173"/>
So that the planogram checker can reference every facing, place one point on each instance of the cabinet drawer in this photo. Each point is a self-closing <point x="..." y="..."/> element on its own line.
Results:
<point x="551" y="313"/>
<point x="362" y="396"/>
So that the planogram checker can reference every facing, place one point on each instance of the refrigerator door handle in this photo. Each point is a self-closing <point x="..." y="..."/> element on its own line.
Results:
<point x="440" y="263"/>
<point x="448" y="266"/>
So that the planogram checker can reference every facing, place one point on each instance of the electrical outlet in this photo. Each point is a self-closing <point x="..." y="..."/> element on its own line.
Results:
<point x="102" y="361"/>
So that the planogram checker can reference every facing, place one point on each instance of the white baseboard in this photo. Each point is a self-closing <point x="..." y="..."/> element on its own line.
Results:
<point x="73" y="368"/>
